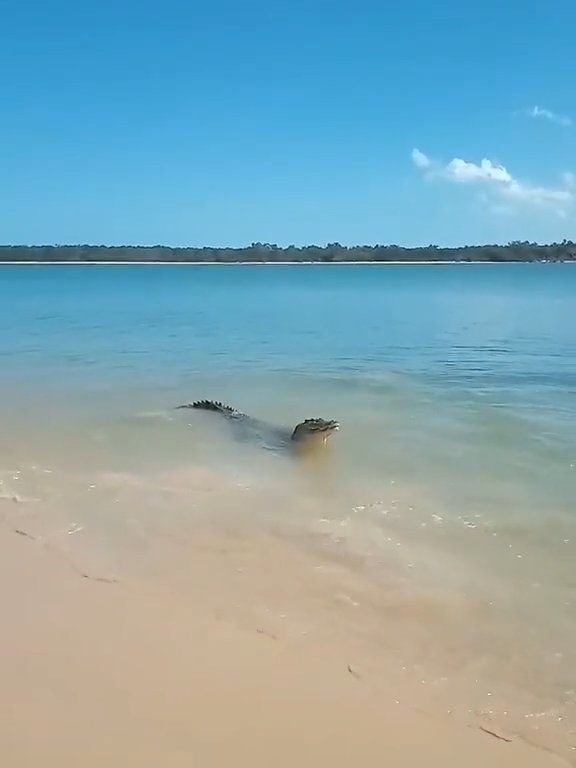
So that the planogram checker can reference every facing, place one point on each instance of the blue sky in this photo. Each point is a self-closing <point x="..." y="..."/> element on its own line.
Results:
<point x="223" y="123"/>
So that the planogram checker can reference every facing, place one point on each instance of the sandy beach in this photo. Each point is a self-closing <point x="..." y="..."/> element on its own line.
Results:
<point x="125" y="674"/>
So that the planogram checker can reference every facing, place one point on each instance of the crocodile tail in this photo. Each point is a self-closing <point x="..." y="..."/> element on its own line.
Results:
<point x="211" y="405"/>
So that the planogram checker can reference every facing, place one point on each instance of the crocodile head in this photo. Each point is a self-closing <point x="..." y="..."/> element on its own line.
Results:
<point x="314" y="431"/>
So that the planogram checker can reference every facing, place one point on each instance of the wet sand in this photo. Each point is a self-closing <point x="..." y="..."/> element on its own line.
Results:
<point x="129" y="674"/>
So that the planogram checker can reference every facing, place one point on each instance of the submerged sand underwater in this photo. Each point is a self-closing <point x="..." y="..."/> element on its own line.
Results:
<point x="460" y="610"/>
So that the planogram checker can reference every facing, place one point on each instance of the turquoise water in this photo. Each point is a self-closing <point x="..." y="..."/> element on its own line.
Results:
<point x="453" y="476"/>
<point x="483" y="327"/>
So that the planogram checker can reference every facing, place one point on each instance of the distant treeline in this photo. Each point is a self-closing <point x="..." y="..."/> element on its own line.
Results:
<point x="262" y="252"/>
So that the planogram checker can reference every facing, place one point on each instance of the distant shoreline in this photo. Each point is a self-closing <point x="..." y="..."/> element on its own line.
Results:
<point x="271" y="254"/>
<point x="269" y="263"/>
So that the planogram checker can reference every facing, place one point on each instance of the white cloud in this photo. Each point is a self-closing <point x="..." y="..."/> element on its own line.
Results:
<point x="546" y="114"/>
<point x="420" y="160"/>
<point x="461" y="170"/>
<point x="532" y="194"/>
<point x="498" y="184"/>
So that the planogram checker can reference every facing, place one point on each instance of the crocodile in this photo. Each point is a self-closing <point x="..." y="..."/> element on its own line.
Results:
<point x="305" y="435"/>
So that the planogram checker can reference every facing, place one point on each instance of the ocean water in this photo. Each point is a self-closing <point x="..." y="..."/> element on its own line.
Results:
<point x="450" y="489"/>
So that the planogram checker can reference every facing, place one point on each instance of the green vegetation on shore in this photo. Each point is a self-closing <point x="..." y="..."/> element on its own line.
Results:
<point x="266" y="252"/>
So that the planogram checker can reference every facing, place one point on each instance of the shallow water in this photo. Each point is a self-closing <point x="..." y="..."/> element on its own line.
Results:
<point x="449" y="491"/>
